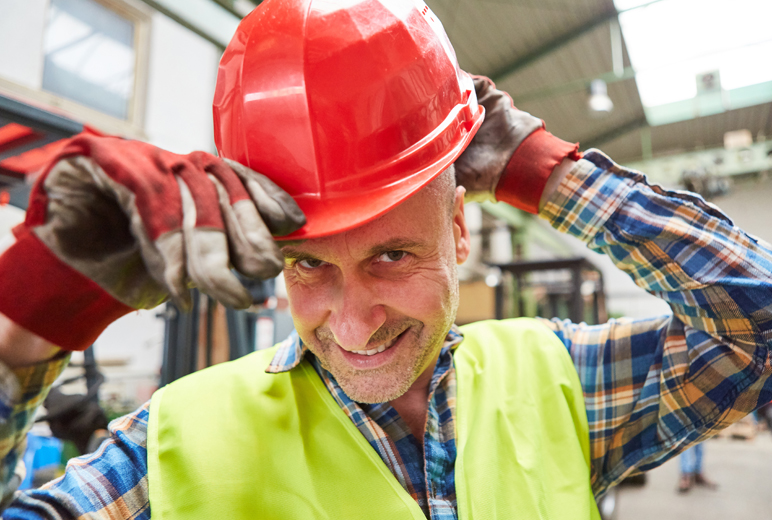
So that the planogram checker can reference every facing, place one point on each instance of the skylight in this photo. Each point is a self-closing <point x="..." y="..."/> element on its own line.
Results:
<point x="697" y="57"/>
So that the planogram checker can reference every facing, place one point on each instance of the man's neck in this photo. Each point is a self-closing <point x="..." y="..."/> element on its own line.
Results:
<point x="413" y="405"/>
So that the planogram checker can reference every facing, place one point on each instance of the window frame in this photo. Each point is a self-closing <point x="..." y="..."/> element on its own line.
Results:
<point x="133" y="126"/>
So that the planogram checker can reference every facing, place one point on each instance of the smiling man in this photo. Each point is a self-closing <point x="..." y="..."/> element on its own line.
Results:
<point x="375" y="303"/>
<point x="368" y="138"/>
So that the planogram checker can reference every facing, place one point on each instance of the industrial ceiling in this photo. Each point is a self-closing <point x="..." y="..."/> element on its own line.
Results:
<point x="545" y="53"/>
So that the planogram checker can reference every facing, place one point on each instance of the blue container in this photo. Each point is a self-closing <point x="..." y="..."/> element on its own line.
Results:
<point x="41" y="453"/>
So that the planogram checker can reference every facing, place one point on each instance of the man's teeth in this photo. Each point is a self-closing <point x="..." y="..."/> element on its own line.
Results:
<point x="376" y="350"/>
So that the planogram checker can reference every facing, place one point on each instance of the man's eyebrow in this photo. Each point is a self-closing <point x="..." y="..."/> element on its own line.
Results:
<point x="288" y="249"/>
<point x="395" y="244"/>
<point x="292" y="253"/>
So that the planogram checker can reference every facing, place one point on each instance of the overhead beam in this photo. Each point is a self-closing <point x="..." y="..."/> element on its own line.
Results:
<point x="609" y="135"/>
<point x="571" y="86"/>
<point x="561" y="41"/>
<point x="208" y="19"/>
<point x="239" y="8"/>
<point x="553" y="45"/>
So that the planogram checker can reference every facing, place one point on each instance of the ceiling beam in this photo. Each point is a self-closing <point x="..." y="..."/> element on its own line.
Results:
<point x="239" y="8"/>
<point x="598" y="140"/>
<point x="553" y="45"/>
<point x="562" y="40"/>
<point x="571" y="86"/>
<point x="207" y="18"/>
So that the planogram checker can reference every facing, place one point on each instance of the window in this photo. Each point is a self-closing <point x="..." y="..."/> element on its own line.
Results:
<point x="695" y="57"/>
<point x="86" y="58"/>
<point x="89" y="56"/>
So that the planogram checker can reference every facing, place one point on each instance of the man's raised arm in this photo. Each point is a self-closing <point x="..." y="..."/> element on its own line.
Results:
<point x="112" y="226"/>
<point x="652" y="387"/>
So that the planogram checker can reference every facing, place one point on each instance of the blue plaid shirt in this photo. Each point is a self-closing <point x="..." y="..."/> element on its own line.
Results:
<point x="652" y="387"/>
<point x="430" y="482"/>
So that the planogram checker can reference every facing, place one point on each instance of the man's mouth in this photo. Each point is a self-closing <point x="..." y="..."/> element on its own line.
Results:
<point x="380" y="348"/>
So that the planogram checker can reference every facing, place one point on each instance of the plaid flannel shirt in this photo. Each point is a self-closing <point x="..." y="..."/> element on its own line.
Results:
<point x="652" y="387"/>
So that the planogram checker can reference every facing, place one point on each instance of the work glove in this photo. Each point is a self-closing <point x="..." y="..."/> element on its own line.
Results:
<point x="115" y="225"/>
<point x="512" y="155"/>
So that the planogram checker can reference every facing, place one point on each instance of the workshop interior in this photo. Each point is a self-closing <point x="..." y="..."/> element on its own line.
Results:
<point x="680" y="90"/>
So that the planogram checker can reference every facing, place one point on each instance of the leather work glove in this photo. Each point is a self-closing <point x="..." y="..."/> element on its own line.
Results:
<point x="512" y="155"/>
<point x="115" y="225"/>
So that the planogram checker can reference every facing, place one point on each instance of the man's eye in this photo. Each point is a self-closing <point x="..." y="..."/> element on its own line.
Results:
<point x="392" y="256"/>
<point x="311" y="263"/>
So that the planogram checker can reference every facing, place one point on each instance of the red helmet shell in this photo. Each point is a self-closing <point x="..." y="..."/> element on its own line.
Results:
<point x="351" y="106"/>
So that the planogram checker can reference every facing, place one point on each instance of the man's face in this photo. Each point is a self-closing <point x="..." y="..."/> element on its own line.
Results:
<point x="374" y="303"/>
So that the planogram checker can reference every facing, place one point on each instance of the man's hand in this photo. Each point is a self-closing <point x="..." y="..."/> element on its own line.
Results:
<point x="479" y="168"/>
<point x="124" y="225"/>
<point x="510" y="144"/>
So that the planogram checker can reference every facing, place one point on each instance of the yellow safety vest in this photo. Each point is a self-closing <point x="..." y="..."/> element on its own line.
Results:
<point x="232" y="442"/>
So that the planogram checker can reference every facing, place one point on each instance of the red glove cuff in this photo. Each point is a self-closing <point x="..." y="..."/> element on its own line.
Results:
<point x="51" y="299"/>
<point x="522" y="183"/>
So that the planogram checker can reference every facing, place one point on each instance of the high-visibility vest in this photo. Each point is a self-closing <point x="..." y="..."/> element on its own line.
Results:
<point x="232" y="442"/>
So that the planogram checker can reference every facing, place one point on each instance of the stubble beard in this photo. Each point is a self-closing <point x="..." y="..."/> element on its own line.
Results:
<point x="418" y="347"/>
<point x="393" y="380"/>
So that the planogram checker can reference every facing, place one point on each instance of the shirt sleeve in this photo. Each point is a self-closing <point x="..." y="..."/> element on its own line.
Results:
<point x="109" y="483"/>
<point x="654" y="387"/>
<point x="22" y="391"/>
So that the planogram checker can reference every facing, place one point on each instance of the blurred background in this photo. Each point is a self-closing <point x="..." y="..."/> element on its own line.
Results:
<point x="678" y="89"/>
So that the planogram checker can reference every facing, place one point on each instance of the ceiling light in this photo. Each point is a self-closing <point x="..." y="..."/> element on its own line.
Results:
<point x="599" y="103"/>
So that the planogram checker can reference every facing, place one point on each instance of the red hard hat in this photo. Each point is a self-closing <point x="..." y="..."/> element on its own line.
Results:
<point x="351" y="106"/>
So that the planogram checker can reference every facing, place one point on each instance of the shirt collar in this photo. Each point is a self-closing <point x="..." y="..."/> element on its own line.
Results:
<point x="292" y="350"/>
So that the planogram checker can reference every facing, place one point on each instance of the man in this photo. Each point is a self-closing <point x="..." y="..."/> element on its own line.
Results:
<point x="377" y="407"/>
<point x="692" y="474"/>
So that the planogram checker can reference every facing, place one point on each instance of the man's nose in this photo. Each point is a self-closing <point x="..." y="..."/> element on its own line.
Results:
<point x="356" y="314"/>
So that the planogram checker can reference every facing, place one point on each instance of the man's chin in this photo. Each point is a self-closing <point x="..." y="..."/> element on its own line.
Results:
<point x="410" y="356"/>
<point x="372" y="389"/>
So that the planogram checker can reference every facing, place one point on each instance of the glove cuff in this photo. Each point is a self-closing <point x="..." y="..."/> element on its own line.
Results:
<point x="522" y="183"/>
<point x="51" y="299"/>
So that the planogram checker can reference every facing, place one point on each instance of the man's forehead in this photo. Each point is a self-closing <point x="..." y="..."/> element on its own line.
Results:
<point x="351" y="245"/>
<point x="411" y="225"/>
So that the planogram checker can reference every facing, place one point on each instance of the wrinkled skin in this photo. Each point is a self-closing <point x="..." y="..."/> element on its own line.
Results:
<point x="392" y="278"/>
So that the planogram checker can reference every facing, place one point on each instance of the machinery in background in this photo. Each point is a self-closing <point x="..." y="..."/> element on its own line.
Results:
<point x="29" y="137"/>
<point x="563" y="288"/>
<point x="76" y="424"/>
<point x="78" y="418"/>
<point x="210" y="333"/>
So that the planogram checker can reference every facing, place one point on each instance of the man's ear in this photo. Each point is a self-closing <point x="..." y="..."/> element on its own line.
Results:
<point x="460" y="230"/>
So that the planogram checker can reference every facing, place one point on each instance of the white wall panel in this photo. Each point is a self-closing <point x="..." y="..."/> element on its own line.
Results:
<point x="181" y="80"/>
<point x="21" y="41"/>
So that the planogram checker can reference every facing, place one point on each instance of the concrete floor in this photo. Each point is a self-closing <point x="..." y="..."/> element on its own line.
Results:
<point x="742" y="469"/>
